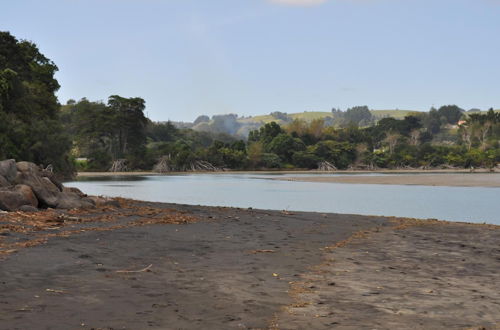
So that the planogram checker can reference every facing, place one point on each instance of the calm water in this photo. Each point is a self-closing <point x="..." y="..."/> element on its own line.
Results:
<point x="257" y="191"/>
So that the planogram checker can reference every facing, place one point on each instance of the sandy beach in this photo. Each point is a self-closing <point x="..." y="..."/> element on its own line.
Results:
<point x="165" y="266"/>
<point x="422" y="179"/>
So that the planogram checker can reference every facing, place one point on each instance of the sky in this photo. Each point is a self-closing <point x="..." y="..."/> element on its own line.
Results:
<point x="250" y="57"/>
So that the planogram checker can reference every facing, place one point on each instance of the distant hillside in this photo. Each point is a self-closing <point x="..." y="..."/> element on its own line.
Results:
<point x="240" y="126"/>
<point x="398" y="114"/>
<point x="311" y="115"/>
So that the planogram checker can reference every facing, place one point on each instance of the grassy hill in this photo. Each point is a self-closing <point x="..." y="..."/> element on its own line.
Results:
<point x="242" y="126"/>
<point x="398" y="114"/>
<point x="311" y="115"/>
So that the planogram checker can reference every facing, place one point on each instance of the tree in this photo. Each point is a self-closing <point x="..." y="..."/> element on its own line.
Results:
<point x="280" y="116"/>
<point x="451" y="113"/>
<point x="341" y="154"/>
<point x="162" y="131"/>
<point x="415" y="137"/>
<point x="201" y="119"/>
<point x="225" y="124"/>
<point x="266" y="133"/>
<point x="129" y="124"/>
<point x="284" y="146"/>
<point x="392" y="140"/>
<point x="358" y="115"/>
<point x="255" y="151"/>
<point x="31" y="129"/>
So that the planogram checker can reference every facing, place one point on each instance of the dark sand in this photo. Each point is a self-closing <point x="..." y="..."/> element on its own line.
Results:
<point x="441" y="179"/>
<point x="247" y="269"/>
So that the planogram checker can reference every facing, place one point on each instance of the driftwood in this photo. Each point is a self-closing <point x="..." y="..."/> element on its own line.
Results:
<point x="163" y="165"/>
<point x="119" y="165"/>
<point x="146" y="269"/>
<point x="201" y="165"/>
<point x="326" y="166"/>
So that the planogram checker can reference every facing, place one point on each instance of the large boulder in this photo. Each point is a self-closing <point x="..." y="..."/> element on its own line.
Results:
<point x="28" y="208"/>
<point x="104" y="201"/>
<point x="28" y="194"/>
<point x="74" y="190"/>
<point x="51" y="176"/>
<point x="8" y="169"/>
<point x="13" y="198"/>
<point x="36" y="187"/>
<point x="71" y="200"/>
<point x="46" y="192"/>
<point x="4" y="182"/>
<point x="27" y="167"/>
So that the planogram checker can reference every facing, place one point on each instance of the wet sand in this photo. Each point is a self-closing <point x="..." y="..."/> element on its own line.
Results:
<point x="166" y="266"/>
<point x="442" y="179"/>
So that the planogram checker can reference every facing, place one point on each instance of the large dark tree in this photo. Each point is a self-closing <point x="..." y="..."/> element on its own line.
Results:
<point x="29" y="126"/>
<point x="359" y="115"/>
<point x="129" y="124"/>
<point x="451" y="113"/>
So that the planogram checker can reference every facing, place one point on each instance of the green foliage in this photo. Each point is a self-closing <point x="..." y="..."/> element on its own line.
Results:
<point x="341" y="154"/>
<point x="450" y="113"/>
<point x="284" y="146"/>
<point x="359" y="115"/>
<point x="29" y="126"/>
<point x="270" y="160"/>
<point x="104" y="133"/>
<point x="413" y="141"/>
<point x="305" y="159"/>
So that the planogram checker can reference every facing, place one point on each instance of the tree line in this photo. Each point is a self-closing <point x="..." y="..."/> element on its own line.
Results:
<point x="90" y="135"/>
<point x="444" y="137"/>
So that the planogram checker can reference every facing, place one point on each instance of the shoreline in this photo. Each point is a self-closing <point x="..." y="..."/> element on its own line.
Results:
<point x="157" y="265"/>
<point x="488" y="180"/>
<point x="444" y="178"/>
<point x="388" y="171"/>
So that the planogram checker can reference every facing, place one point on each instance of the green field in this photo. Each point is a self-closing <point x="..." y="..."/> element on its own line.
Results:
<point x="311" y="115"/>
<point x="398" y="114"/>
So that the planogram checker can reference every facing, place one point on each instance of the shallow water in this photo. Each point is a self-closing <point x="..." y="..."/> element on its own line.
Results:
<point x="469" y="204"/>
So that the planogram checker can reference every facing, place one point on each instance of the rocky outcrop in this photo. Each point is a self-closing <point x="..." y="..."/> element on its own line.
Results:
<point x="4" y="182"/>
<point x="26" y="186"/>
<point x="8" y="169"/>
<point x="13" y="198"/>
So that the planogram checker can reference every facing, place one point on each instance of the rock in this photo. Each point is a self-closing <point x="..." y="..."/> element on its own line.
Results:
<point x="46" y="192"/>
<point x="49" y="175"/>
<point x="74" y="190"/>
<point x="27" y="167"/>
<point x="103" y="201"/>
<point x="28" y="194"/>
<point x="4" y="182"/>
<point x="71" y="200"/>
<point x="36" y="187"/>
<point x="8" y="169"/>
<point x="12" y="198"/>
<point x="28" y="208"/>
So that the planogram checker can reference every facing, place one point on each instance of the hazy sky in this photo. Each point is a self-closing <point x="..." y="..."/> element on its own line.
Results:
<point x="192" y="57"/>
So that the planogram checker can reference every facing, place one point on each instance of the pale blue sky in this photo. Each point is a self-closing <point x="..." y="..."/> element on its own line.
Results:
<point x="192" y="57"/>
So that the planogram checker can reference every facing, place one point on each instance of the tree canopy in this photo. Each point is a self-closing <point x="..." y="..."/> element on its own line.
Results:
<point x="29" y="126"/>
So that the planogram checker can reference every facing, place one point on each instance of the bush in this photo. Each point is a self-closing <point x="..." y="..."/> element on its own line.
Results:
<point x="270" y="160"/>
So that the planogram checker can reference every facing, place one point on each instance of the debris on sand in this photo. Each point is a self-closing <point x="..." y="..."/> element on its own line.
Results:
<point x="37" y="228"/>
